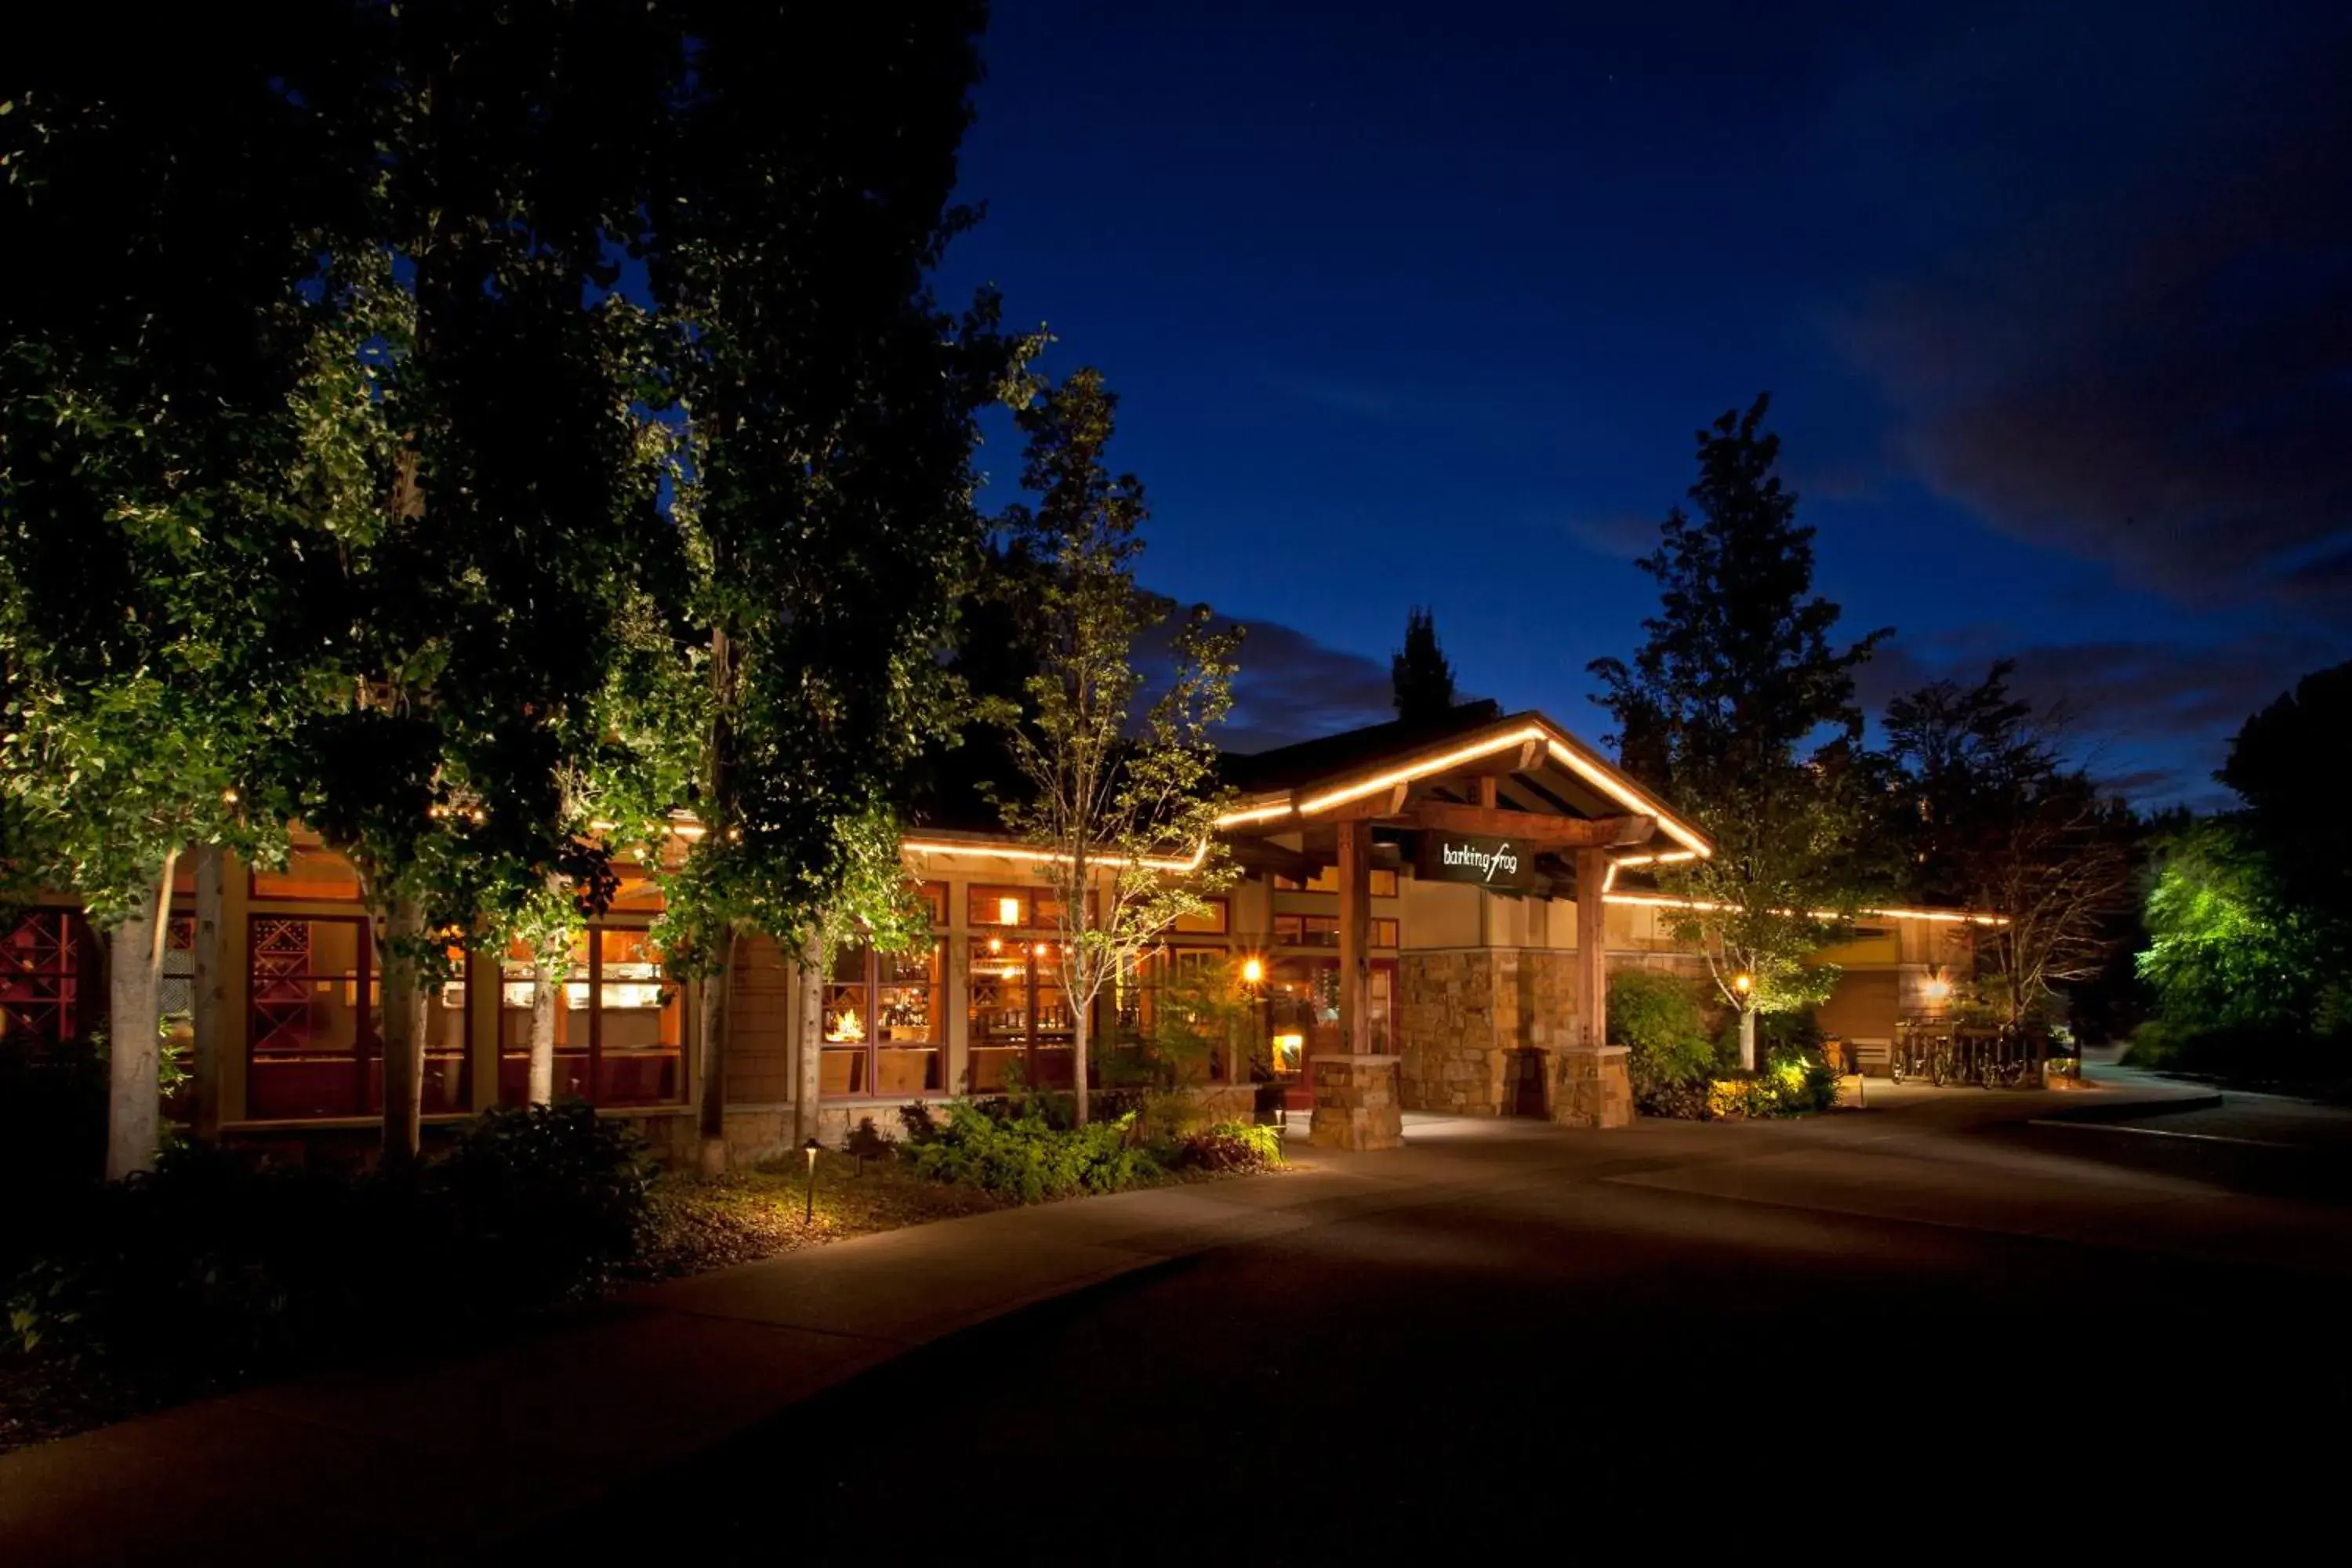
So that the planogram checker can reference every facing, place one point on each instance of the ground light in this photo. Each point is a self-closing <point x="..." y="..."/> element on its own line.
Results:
<point x="808" y="1213"/>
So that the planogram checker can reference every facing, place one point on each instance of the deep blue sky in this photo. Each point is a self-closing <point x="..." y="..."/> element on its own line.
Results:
<point x="1422" y="304"/>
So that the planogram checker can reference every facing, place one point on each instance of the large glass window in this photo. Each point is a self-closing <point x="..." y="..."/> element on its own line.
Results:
<point x="882" y="1033"/>
<point x="315" y="1023"/>
<point x="619" y="1022"/>
<point x="1011" y="908"/>
<point x="49" y="974"/>
<point x="1019" y="1018"/>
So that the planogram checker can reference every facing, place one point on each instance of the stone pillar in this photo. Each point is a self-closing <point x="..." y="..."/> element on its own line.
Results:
<point x="1595" y="1089"/>
<point x="1356" y="1105"/>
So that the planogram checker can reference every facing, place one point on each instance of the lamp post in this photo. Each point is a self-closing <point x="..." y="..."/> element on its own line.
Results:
<point x="808" y="1211"/>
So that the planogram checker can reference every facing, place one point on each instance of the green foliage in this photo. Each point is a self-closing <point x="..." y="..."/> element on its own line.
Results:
<point x="1025" y="1158"/>
<point x="1738" y="708"/>
<point x="1230" y="1148"/>
<point x="1787" y="1087"/>
<point x="214" y="1267"/>
<point x="1659" y="1018"/>
<point x="1420" y="674"/>
<point x="2225" y="949"/>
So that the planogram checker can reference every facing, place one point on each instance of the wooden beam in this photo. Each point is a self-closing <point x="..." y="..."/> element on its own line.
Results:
<point x="1591" y="949"/>
<point x="1355" y="936"/>
<point x="1529" y="827"/>
<point x="1366" y="808"/>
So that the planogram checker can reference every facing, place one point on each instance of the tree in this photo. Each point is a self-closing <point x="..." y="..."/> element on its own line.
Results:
<point x="2227" y="951"/>
<point x="1422" y="678"/>
<point x="2283" y="764"/>
<point x="1740" y="707"/>
<point x="1996" y="825"/>
<point x="160" y="348"/>
<point x="827" y="412"/>
<point x="1126" y="810"/>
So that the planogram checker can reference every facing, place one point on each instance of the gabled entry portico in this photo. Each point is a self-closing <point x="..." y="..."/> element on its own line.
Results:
<point x="1482" y="811"/>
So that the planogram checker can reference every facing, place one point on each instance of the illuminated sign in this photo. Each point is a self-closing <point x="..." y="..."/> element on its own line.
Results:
<point x="1467" y="857"/>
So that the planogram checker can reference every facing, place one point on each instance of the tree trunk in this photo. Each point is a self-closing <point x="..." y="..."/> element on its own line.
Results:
<point x="1074" y="957"/>
<point x="716" y="986"/>
<point x="133" y="1025"/>
<point x="403" y="1031"/>
<point x="550" y="968"/>
<point x="1748" y="1039"/>
<point x="208" y="1016"/>
<point x="809" y="1005"/>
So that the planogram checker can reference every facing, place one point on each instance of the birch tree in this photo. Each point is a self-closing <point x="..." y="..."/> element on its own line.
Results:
<point x="1124" y="802"/>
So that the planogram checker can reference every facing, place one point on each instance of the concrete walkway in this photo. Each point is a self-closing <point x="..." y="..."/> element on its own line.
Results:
<point x="416" y="1461"/>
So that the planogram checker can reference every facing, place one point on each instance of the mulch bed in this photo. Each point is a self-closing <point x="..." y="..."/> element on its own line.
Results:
<point x="750" y="1214"/>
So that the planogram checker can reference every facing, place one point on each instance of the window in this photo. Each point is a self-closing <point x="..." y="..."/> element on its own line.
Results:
<point x="48" y="982"/>
<point x="1210" y="921"/>
<point x="1384" y="883"/>
<point x="882" y="1033"/>
<point x="313" y="871"/>
<point x="1149" y="1004"/>
<point x="1015" y="908"/>
<point x="619" y="1022"/>
<point x="314" y="1037"/>
<point x="1020" y="1021"/>
<point x="1323" y="931"/>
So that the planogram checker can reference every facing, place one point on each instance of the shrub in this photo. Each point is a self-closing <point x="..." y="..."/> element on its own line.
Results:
<point x="216" y="1265"/>
<point x="1790" y="1087"/>
<point x="1024" y="1156"/>
<point x="1660" y="1021"/>
<point x="1230" y="1146"/>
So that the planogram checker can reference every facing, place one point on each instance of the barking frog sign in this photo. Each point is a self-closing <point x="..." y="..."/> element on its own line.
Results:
<point x="1463" y="857"/>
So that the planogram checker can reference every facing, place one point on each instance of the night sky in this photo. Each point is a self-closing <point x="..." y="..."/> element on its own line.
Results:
<point x="1421" y="305"/>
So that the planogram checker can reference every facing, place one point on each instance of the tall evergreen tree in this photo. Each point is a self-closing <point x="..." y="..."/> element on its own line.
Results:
<point x="1419" y="672"/>
<point x="1740" y="708"/>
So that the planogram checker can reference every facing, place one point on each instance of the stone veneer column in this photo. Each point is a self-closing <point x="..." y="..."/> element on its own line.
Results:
<point x="1356" y="1105"/>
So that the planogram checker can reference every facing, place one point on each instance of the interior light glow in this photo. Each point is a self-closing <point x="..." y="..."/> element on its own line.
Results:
<point x="1008" y="912"/>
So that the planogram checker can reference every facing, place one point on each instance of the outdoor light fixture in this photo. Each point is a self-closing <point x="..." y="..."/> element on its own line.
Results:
<point x="996" y="944"/>
<point x="1938" y="987"/>
<point x="1253" y="971"/>
<point x="1743" y="983"/>
<point x="808" y="1211"/>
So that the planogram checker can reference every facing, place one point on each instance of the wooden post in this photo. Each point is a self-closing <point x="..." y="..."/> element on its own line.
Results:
<point x="1591" y="949"/>
<point x="208" y="1001"/>
<point x="1355" y="936"/>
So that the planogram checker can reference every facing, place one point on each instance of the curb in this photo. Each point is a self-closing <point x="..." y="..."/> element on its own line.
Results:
<point x="2133" y="1109"/>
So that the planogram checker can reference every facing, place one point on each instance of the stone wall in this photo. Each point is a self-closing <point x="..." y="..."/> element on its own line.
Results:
<point x="1476" y="1025"/>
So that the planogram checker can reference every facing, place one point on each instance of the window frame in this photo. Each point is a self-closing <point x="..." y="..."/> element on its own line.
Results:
<point x="870" y="986"/>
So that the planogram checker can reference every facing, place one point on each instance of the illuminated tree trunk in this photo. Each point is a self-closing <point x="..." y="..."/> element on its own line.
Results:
<point x="810" y="1000"/>
<point x="404" y="1030"/>
<point x="550" y="966"/>
<point x="134" y="973"/>
<point x="208" y="1014"/>
<point x="715" y="1020"/>
<point x="1748" y="1039"/>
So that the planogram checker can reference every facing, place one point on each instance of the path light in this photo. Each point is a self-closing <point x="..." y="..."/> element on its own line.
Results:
<point x="1743" y="983"/>
<point x="808" y="1211"/>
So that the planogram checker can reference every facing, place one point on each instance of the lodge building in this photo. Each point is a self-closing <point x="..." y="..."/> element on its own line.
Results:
<point x="1441" y="903"/>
